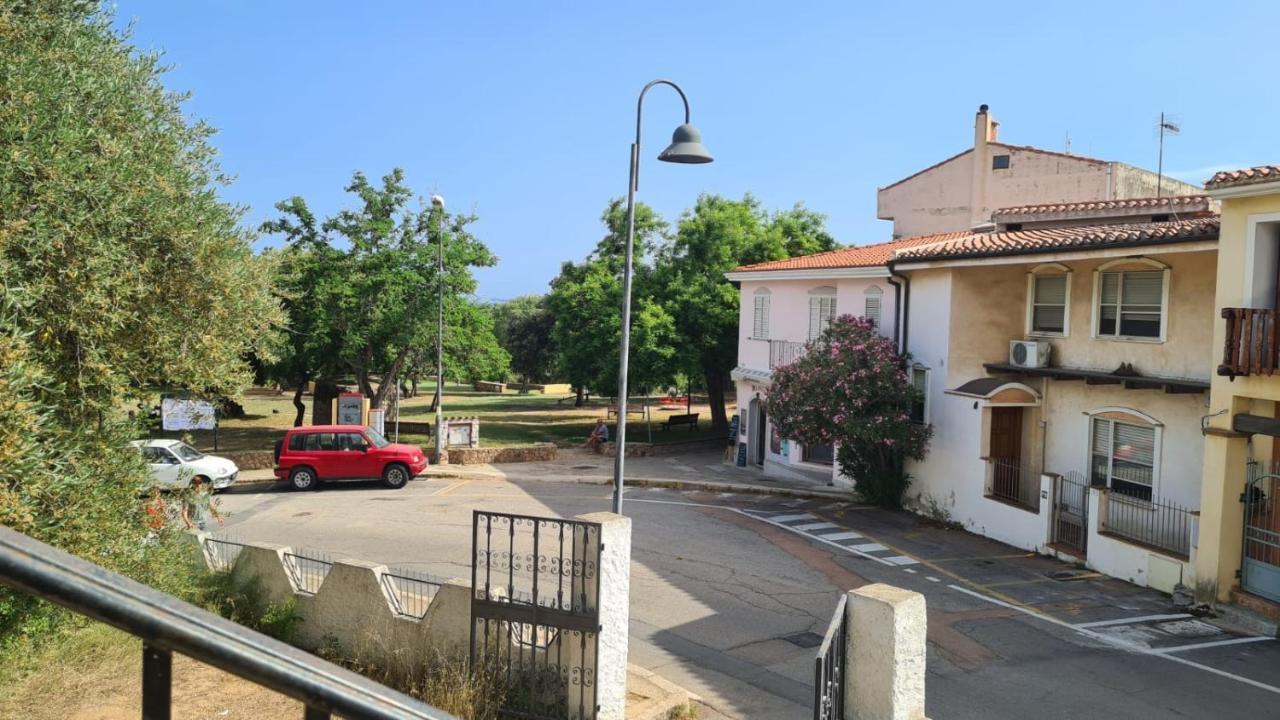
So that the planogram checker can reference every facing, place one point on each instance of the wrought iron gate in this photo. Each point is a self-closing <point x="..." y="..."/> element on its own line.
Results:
<point x="1071" y="512"/>
<point x="535" y="612"/>
<point x="829" y="668"/>
<point x="1260" y="561"/>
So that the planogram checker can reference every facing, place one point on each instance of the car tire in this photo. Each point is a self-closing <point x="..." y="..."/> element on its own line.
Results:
<point x="395" y="476"/>
<point x="303" y="478"/>
<point x="204" y="480"/>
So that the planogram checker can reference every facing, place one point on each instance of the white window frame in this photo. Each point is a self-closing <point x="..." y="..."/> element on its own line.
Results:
<point x="1131" y="417"/>
<point x="1050" y="270"/>
<point x="876" y="295"/>
<point x="819" y="295"/>
<point x="928" y="376"/>
<point x="761" y="299"/>
<point x="1129" y="265"/>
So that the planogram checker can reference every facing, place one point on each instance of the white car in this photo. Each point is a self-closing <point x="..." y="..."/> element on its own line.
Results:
<point x="174" y="464"/>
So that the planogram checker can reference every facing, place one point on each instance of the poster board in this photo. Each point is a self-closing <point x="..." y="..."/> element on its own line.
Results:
<point x="351" y="409"/>
<point x="187" y="414"/>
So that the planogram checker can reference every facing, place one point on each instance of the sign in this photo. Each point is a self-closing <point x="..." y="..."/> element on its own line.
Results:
<point x="187" y="414"/>
<point x="733" y="428"/>
<point x="460" y="435"/>
<point x="350" y="409"/>
<point x="377" y="420"/>
<point x="742" y="455"/>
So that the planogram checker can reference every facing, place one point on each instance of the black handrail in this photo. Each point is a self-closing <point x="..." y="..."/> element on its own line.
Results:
<point x="167" y="625"/>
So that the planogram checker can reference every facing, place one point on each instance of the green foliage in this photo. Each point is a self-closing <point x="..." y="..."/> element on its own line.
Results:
<point x="851" y="388"/>
<point x="524" y="328"/>
<point x="716" y="236"/>
<point x="244" y="602"/>
<point x="110" y="220"/>
<point x="361" y="290"/>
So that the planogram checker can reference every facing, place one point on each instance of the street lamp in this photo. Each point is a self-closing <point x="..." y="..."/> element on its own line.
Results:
<point x="438" y="203"/>
<point x="686" y="147"/>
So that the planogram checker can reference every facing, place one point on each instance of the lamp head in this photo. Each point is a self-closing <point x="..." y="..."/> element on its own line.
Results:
<point x="686" y="147"/>
<point x="437" y="201"/>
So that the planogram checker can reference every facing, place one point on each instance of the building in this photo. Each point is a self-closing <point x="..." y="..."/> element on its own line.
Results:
<point x="1066" y="375"/>
<point x="1239" y="543"/>
<point x="961" y="192"/>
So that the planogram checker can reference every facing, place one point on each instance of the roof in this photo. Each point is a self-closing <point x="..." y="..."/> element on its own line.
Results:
<point x="1171" y="203"/>
<point x="850" y="257"/>
<point x="326" y="428"/>
<point x="1057" y="239"/>
<point x="155" y="442"/>
<point x="1247" y="176"/>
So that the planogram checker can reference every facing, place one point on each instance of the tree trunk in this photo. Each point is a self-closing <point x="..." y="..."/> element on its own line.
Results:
<point x="300" y="406"/>
<point x="579" y="397"/>
<point x="714" y="378"/>
<point x="389" y="379"/>
<point x="322" y="402"/>
<point x="413" y="389"/>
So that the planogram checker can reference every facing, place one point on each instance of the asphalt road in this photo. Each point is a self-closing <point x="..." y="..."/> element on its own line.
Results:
<point x="721" y="581"/>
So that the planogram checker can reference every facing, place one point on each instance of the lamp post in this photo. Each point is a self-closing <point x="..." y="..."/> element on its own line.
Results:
<point x="686" y="147"/>
<point x="438" y="203"/>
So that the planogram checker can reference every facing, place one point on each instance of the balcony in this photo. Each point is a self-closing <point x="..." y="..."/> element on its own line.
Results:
<point x="785" y="352"/>
<point x="1251" y="343"/>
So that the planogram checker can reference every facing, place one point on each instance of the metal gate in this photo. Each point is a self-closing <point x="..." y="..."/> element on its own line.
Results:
<point x="1260" y="561"/>
<point x="1071" y="512"/>
<point x="535" y="612"/>
<point x="829" y="668"/>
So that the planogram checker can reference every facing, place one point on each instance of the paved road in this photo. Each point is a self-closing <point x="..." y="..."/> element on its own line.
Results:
<point x="720" y="582"/>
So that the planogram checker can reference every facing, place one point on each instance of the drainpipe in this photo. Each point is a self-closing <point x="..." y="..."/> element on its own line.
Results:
<point x="901" y="305"/>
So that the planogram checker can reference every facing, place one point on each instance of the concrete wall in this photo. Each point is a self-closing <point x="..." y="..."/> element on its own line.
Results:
<point x="935" y="201"/>
<point x="1142" y="566"/>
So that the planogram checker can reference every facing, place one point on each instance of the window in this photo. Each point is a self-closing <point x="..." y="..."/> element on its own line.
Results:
<point x="920" y="406"/>
<point x="1049" y="304"/>
<point x="352" y="442"/>
<point x="158" y="456"/>
<point x="1131" y="304"/>
<point x="871" y="312"/>
<point x="822" y="310"/>
<point x="1123" y="457"/>
<point x="999" y="162"/>
<point x="760" y="325"/>
<point x="313" y="441"/>
<point x="821" y="454"/>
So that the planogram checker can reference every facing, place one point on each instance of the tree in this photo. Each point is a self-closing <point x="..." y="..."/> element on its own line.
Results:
<point x="713" y="238"/>
<point x="381" y="280"/>
<point x="852" y="388"/>
<point x="586" y="300"/>
<point x="524" y="327"/>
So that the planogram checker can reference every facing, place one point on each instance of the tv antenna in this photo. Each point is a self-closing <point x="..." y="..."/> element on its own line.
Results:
<point x="1173" y="126"/>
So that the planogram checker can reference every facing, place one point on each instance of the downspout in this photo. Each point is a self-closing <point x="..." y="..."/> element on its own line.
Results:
<point x="900" y="309"/>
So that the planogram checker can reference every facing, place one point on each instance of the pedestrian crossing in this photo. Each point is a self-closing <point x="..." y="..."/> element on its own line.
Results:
<point x="828" y="532"/>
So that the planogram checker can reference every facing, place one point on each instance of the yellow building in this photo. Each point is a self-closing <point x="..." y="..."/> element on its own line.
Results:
<point x="1238" y="558"/>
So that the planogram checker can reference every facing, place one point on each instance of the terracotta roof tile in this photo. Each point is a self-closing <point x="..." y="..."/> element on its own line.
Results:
<point x="1247" y="176"/>
<point x="1172" y="203"/>
<point x="1083" y="237"/>
<point x="850" y="257"/>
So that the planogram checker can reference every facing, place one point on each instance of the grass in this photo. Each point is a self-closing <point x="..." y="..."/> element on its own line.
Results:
<point x="506" y="420"/>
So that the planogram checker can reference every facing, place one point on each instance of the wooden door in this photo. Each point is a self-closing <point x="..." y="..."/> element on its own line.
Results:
<point x="1006" y="452"/>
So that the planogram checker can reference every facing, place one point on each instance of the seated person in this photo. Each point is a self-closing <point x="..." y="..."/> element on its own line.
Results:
<point x="599" y="434"/>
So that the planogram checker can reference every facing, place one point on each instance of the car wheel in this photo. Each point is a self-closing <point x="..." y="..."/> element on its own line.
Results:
<point x="303" y="478"/>
<point x="395" y="476"/>
<point x="204" y="481"/>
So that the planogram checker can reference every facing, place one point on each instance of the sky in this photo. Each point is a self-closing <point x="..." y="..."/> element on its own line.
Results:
<point x="523" y="112"/>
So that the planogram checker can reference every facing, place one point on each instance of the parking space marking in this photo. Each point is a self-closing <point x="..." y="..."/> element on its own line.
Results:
<point x="450" y="488"/>
<point x="1132" y="620"/>
<point x="792" y="518"/>
<point x="903" y="560"/>
<point x="809" y="527"/>
<point x="1212" y="643"/>
<point x="848" y="535"/>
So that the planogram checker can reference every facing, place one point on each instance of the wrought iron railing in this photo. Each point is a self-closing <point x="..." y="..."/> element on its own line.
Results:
<point x="1071" y="511"/>
<point x="1014" y="483"/>
<point x="829" y="668"/>
<point x="1251" y="346"/>
<point x="411" y="592"/>
<point x="221" y="552"/>
<point x="308" y="569"/>
<point x="1155" y="523"/>
<point x="785" y="352"/>
<point x="167" y="625"/>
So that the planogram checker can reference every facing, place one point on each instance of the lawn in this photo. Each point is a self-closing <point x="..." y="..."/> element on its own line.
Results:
<point x="505" y="420"/>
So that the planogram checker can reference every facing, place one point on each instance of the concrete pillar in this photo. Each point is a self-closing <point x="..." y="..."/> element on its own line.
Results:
<point x="262" y="564"/>
<point x="613" y="576"/>
<point x="1218" y="551"/>
<point x="885" y="654"/>
<point x="1048" y="489"/>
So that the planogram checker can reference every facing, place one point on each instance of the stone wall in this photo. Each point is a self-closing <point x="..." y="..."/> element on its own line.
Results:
<point x="251" y="459"/>
<point x="541" y="452"/>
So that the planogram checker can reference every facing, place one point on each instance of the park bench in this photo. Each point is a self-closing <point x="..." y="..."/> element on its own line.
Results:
<point x="631" y="410"/>
<point x="691" y="420"/>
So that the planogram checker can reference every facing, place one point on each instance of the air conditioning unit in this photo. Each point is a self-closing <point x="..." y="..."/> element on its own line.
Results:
<point x="1029" y="353"/>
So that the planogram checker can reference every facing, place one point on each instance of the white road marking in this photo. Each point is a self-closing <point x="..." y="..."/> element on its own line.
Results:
<point x="903" y="560"/>
<point x="1132" y="620"/>
<point x="841" y="536"/>
<point x="809" y="527"/>
<point x="871" y="547"/>
<point x="913" y="572"/>
<point x="931" y="578"/>
<point x="792" y="518"/>
<point x="1117" y="642"/>
<point x="1212" y="643"/>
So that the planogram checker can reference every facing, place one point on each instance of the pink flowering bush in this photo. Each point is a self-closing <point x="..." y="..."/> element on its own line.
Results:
<point x="852" y="388"/>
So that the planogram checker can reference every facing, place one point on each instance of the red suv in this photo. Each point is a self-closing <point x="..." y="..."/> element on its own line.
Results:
<point x="307" y="455"/>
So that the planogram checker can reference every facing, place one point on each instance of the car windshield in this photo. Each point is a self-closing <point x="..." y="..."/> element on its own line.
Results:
<point x="376" y="438"/>
<point x="186" y="452"/>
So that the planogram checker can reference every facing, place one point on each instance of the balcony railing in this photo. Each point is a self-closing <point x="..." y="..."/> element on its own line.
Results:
<point x="785" y="352"/>
<point x="1251" y="344"/>
<point x="167" y="625"/>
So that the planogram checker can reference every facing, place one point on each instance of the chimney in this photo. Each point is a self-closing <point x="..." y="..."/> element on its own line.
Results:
<point x="985" y="129"/>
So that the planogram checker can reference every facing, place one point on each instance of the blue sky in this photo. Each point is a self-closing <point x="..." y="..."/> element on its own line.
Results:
<point x="523" y="112"/>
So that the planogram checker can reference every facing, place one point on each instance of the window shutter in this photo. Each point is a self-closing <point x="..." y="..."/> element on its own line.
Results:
<point x="1135" y="444"/>
<point x="1101" y="436"/>
<point x="1051" y="290"/>
<point x="873" y="309"/>
<point x="815" y="315"/>
<point x="1110" y="288"/>
<point x="760" y="327"/>
<point x="1143" y="288"/>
